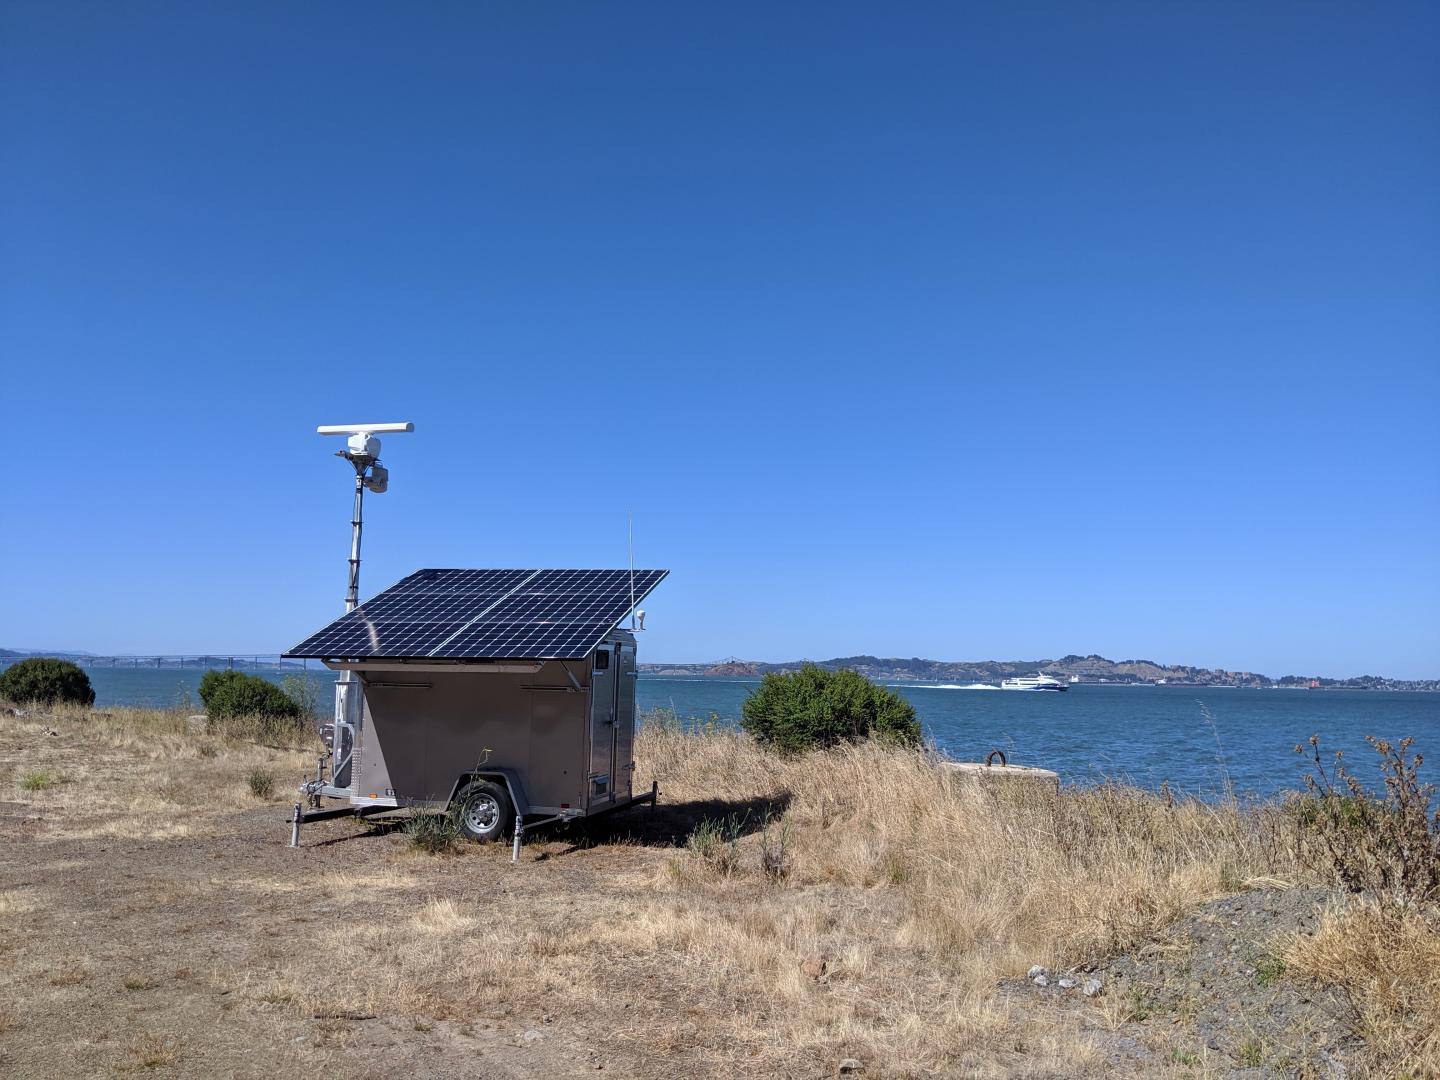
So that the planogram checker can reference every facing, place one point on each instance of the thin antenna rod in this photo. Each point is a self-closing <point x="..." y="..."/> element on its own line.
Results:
<point x="630" y="520"/>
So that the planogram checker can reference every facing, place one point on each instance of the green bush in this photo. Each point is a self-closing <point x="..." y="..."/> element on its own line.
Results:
<point x="45" y="680"/>
<point x="262" y="784"/>
<point x="815" y="707"/>
<point x="233" y="693"/>
<point x="434" y="834"/>
<point x="212" y="681"/>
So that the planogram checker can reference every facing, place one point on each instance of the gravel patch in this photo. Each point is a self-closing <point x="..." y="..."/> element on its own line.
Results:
<point x="1212" y="994"/>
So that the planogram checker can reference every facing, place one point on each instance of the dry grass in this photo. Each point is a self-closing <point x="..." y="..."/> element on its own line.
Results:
<point x="140" y="773"/>
<point x="15" y="902"/>
<point x="443" y="962"/>
<point x="75" y="975"/>
<point x="1018" y="878"/>
<point x="442" y="917"/>
<point x="149" y="1050"/>
<point x="1386" y="958"/>
<point x="916" y="895"/>
<point x="869" y="916"/>
<point x="845" y="903"/>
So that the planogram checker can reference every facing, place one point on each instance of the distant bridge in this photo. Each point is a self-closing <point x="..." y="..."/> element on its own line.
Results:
<point x="225" y="661"/>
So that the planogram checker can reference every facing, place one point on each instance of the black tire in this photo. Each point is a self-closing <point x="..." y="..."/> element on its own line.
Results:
<point x="483" y="811"/>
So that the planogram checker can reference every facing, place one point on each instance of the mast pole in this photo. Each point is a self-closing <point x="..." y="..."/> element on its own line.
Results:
<point x="347" y="686"/>
<point x="357" y="524"/>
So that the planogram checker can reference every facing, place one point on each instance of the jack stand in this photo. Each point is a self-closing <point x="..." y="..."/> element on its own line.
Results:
<point x="319" y="782"/>
<point x="295" y="827"/>
<point x="519" y="839"/>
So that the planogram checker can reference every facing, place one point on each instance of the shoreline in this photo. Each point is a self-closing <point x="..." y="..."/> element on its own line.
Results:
<point x="1088" y="734"/>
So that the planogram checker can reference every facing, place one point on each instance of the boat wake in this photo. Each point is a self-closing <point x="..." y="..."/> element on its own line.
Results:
<point x="946" y="686"/>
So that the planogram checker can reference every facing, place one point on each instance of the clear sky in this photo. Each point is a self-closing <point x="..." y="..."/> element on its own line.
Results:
<point x="954" y="330"/>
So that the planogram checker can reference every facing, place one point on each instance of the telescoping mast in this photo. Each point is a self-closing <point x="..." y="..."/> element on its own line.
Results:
<point x="362" y="450"/>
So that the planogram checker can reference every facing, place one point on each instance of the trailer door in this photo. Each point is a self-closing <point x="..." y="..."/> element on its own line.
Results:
<point x="604" y="677"/>
<point x="626" y="675"/>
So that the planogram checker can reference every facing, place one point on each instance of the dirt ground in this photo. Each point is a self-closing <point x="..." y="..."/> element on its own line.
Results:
<point x="169" y="933"/>
<point x="153" y="920"/>
<point x="158" y="955"/>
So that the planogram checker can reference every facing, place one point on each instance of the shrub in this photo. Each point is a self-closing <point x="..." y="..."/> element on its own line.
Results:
<point x="303" y="691"/>
<point x="233" y="693"/>
<point x="775" y="849"/>
<point x="815" y="707"/>
<point x="717" y="842"/>
<point x="42" y="679"/>
<point x="1381" y="845"/>
<point x="212" y="681"/>
<point x="434" y="834"/>
<point x="37" y="781"/>
<point x="262" y="784"/>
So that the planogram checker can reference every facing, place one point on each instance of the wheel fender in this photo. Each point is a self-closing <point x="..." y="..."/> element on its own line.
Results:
<point x="507" y="777"/>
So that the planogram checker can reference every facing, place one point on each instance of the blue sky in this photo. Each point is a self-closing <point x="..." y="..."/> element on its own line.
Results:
<point x="951" y="330"/>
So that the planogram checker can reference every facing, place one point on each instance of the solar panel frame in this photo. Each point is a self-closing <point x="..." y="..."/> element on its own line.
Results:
<point x="454" y="614"/>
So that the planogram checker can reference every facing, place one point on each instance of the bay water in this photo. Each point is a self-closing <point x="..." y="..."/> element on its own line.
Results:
<point x="1201" y="741"/>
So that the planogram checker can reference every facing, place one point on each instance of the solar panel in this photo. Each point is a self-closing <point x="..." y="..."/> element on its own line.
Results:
<point x="484" y="615"/>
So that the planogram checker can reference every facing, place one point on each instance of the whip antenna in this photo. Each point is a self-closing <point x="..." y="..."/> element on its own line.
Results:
<point x="630" y="522"/>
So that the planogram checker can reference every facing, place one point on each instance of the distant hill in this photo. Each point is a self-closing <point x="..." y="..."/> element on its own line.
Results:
<point x="13" y="654"/>
<point x="1087" y="669"/>
<point x="1090" y="669"/>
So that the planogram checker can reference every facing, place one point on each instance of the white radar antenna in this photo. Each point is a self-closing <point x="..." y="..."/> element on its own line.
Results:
<point x="362" y="450"/>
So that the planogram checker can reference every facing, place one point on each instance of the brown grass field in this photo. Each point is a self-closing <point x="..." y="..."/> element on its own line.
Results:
<point x="774" y="917"/>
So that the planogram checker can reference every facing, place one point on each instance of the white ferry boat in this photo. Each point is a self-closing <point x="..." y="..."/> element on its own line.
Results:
<point x="1033" y="682"/>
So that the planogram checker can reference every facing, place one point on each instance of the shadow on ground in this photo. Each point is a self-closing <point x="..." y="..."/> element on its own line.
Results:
<point x="664" y="825"/>
<point x="670" y="824"/>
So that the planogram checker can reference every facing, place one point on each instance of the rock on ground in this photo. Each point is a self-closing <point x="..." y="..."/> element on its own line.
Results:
<point x="1212" y="988"/>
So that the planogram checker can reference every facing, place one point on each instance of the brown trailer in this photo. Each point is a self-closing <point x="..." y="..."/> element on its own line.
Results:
<point x="504" y="696"/>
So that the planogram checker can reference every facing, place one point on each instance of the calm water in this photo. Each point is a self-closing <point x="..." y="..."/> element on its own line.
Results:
<point x="1143" y="734"/>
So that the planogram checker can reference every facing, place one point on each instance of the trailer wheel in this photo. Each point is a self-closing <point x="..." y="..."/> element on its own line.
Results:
<point x="483" y="811"/>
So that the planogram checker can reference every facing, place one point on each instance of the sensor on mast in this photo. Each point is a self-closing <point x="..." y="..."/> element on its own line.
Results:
<point x="362" y="450"/>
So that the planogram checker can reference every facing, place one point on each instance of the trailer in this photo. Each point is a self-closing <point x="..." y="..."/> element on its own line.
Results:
<point x="504" y="697"/>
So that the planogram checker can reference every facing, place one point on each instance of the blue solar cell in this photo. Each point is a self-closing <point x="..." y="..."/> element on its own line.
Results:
<point x="485" y="614"/>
